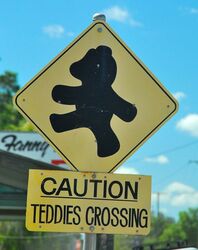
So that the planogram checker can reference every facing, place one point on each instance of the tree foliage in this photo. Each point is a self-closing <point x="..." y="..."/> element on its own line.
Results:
<point x="10" y="118"/>
<point x="14" y="236"/>
<point x="158" y="225"/>
<point x="164" y="230"/>
<point x="173" y="232"/>
<point x="188" y="221"/>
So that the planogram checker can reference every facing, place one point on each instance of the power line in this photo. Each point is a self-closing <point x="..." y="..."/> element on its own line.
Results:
<point x="172" y="149"/>
<point x="176" y="148"/>
<point x="171" y="174"/>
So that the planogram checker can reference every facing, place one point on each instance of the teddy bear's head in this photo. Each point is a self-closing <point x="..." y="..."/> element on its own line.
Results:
<point x="97" y="68"/>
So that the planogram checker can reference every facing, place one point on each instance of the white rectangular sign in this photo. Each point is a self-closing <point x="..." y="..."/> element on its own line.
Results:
<point x="31" y="145"/>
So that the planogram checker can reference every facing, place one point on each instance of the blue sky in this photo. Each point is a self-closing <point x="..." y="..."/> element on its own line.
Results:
<point x="163" y="34"/>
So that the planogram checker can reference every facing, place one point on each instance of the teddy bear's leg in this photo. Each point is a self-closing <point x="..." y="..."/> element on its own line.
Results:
<point x="107" y="142"/>
<point x="65" y="122"/>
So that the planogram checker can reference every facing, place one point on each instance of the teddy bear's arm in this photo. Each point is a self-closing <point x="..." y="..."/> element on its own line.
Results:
<point x="123" y="109"/>
<point x="66" y="94"/>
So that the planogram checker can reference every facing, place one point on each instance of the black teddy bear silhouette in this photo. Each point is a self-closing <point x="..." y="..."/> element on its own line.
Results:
<point x="95" y="100"/>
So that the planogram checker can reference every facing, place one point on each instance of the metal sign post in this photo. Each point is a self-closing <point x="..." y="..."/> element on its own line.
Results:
<point x="89" y="242"/>
<point x="90" y="239"/>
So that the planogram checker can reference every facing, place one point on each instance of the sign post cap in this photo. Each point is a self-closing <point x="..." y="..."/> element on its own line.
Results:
<point x="99" y="16"/>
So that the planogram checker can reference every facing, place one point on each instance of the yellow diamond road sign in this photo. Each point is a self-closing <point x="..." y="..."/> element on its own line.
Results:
<point x="96" y="103"/>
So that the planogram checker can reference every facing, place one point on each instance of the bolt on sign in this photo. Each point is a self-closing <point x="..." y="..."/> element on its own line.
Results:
<point x="66" y="201"/>
<point x="96" y="103"/>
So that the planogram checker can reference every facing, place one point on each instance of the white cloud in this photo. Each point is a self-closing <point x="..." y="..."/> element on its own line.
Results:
<point x="135" y="23"/>
<point x="126" y="170"/>
<point x="178" y="194"/>
<point x="54" y="31"/>
<point x="121" y="15"/>
<point x="179" y="95"/>
<point x="117" y="14"/>
<point x="189" y="124"/>
<point x="160" y="159"/>
<point x="194" y="11"/>
<point x="177" y="187"/>
<point x="69" y="33"/>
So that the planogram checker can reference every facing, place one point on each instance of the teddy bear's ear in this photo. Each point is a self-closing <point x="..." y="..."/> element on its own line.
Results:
<point x="104" y="50"/>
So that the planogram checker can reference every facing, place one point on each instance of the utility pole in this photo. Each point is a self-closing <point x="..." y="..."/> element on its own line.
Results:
<point x="158" y="202"/>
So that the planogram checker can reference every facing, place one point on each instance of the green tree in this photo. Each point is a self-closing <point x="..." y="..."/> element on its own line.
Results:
<point x="188" y="220"/>
<point x="14" y="236"/>
<point x="10" y="118"/>
<point x="158" y="225"/>
<point x="173" y="232"/>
